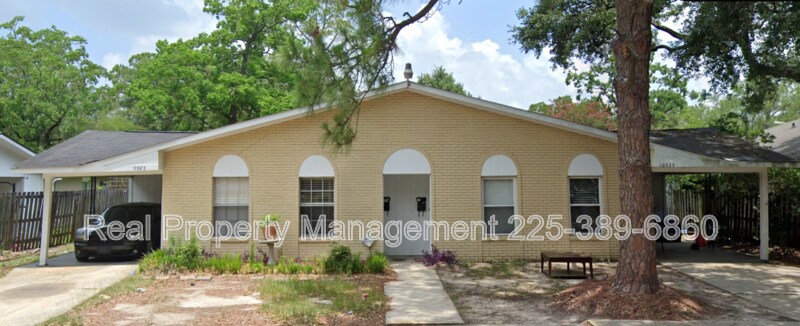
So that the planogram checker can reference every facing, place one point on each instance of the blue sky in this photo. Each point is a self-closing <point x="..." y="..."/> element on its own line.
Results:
<point x="470" y="39"/>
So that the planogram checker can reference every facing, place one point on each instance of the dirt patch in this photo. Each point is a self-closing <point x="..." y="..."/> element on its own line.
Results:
<point x="523" y="295"/>
<point x="225" y="299"/>
<point x="222" y="300"/>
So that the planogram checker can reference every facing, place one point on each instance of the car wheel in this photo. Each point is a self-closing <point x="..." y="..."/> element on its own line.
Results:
<point x="82" y="258"/>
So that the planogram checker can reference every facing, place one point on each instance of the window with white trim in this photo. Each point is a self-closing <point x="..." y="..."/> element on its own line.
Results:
<point x="498" y="202"/>
<point x="231" y="203"/>
<point x="231" y="195"/>
<point x="584" y="199"/>
<point x="316" y="206"/>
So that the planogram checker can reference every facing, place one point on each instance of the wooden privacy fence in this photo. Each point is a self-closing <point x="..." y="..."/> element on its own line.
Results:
<point x="684" y="202"/>
<point x="739" y="218"/>
<point x="21" y="215"/>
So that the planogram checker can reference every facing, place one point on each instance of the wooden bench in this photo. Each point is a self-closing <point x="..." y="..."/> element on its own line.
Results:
<point x="566" y="257"/>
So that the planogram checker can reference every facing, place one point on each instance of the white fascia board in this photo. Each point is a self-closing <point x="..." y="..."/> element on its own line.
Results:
<point x="17" y="147"/>
<point x="143" y="164"/>
<point x="667" y="159"/>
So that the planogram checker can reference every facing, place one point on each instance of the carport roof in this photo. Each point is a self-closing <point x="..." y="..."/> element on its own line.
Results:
<point x="714" y="143"/>
<point x="96" y="145"/>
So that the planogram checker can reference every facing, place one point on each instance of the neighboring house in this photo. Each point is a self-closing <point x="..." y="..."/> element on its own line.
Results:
<point x="12" y="153"/>
<point x="421" y="154"/>
<point x="787" y="139"/>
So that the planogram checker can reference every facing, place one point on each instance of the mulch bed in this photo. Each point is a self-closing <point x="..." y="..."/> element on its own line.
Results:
<point x="596" y="299"/>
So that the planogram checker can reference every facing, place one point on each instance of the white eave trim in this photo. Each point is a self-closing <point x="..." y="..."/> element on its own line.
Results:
<point x="21" y="149"/>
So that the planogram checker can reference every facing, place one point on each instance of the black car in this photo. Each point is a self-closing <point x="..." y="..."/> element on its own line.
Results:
<point x="121" y="231"/>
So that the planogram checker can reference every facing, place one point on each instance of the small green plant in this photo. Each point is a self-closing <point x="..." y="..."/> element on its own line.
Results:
<point x="180" y="256"/>
<point x="187" y="254"/>
<point x="377" y="263"/>
<point x="288" y="266"/>
<point x="272" y="218"/>
<point x="157" y="261"/>
<point x="225" y="264"/>
<point x="343" y="261"/>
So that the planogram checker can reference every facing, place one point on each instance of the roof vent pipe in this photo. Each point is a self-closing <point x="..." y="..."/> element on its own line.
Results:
<point x="408" y="73"/>
<point x="793" y="124"/>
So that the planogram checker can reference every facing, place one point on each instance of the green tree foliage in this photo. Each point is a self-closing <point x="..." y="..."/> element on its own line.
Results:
<point x="215" y="79"/>
<point x="755" y="40"/>
<point x="442" y="79"/>
<point x="345" y="49"/>
<point x="590" y="112"/>
<point x="668" y="91"/>
<point x="48" y="85"/>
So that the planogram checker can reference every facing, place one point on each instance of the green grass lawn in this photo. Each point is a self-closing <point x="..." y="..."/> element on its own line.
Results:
<point x="308" y="301"/>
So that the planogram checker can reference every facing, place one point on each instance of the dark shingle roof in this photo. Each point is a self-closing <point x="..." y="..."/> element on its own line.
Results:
<point x="95" y="145"/>
<point x="714" y="143"/>
<point x="787" y="139"/>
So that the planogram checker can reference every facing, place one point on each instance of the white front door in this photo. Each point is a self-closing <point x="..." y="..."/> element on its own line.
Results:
<point x="403" y="190"/>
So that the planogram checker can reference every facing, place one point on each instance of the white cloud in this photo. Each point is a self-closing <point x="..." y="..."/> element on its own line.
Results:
<point x="484" y="70"/>
<point x="193" y="22"/>
<point x="112" y="59"/>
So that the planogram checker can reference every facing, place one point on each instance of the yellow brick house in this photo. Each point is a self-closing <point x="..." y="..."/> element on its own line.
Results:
<point x="420" y="154"/>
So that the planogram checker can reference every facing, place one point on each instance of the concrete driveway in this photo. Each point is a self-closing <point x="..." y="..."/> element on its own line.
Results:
<point x="30" y="295"/>
<point x="775" y="287"/>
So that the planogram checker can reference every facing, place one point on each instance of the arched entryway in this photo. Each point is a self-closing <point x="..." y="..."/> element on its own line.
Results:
<point x="406" y="195"/>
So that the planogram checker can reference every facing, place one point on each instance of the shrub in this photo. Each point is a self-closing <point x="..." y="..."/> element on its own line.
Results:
<point x="156" y="261"/>
<point x="187" y="254"/>
<point x="436" y="257"/>
<point x="343" y="261"/>
<point x="377" y="263"/>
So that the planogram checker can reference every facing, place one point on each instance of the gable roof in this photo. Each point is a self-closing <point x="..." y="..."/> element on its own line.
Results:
<point x="787" y="139"/>
<point x="714" y="143"/>
<point x="388" y="90"/>
<point x="16" y="147"/>
<point x="96" y="145"/>
<point x="180" y="140"/>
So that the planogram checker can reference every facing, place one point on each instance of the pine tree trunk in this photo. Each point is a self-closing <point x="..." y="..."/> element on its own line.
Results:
<point x="636" y="271"/>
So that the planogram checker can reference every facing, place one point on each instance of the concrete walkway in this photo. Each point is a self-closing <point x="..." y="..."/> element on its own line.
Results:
<point x="30" y="295"/>
<point x="418" y="297"/>
<point x="775" y="287"/>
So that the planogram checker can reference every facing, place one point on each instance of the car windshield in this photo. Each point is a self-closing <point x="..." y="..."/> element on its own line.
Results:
<point x="116" y="214"/>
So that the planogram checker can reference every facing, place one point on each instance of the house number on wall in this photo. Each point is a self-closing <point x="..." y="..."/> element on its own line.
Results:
<point x="139" y="167"/>
<point x="667" y="165"/>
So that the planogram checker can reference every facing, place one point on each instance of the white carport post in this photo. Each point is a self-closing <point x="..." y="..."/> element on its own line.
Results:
<point x="763" y="208"/>
<point x="47" y="200"/>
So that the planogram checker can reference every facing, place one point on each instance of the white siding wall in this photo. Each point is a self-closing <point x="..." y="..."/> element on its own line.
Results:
<point x="145" y="188"/>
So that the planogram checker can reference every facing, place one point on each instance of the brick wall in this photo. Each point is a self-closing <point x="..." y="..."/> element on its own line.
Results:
<point x="456" y="140"/>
